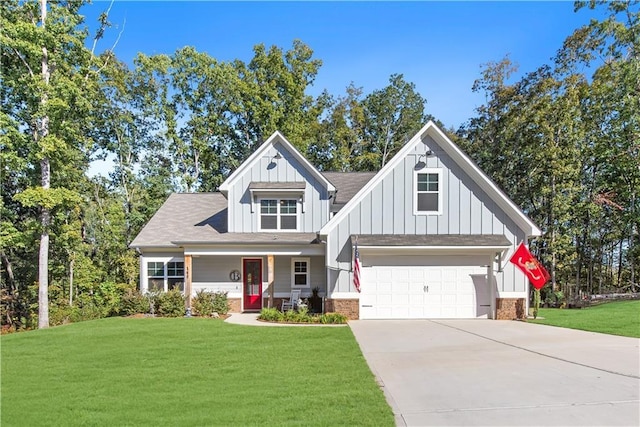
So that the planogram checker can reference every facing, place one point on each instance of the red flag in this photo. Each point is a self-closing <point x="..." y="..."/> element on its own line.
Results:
<point x="530" y="266"/>
<point x="356" y="268"/>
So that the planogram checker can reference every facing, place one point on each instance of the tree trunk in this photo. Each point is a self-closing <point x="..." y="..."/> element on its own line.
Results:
<point x="45" y="215"/>
<point x="43" y="257"/>
<point x="552" y="243"/>
<point x="71" y="282"/>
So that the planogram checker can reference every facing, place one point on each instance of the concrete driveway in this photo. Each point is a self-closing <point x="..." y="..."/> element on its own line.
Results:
<point x="502" y="373"/>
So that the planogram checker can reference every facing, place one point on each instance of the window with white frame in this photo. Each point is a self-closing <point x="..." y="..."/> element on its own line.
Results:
<point x="428" y="191"/>
<point x="162" y="276"/>
<point x="155" y="276"/>
<point x="300" y="273"/>
<point x="175" y="275"/>
<point x="278" y="214"/>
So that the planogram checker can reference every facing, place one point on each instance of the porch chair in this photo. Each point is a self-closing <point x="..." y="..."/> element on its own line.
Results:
<point x="292" y="302"/>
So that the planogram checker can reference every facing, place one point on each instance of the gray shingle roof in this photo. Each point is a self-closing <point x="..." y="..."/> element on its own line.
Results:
<point x="277" y="186"/>
<point x="488" y="240"/>
<point x="347" y="184"/>
<point x="201" y="218"/>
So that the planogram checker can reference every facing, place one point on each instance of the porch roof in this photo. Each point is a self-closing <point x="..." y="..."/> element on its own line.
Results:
<point x="433" y="240"/>
<point x="255" y="239"/>
<point x="257" y="185"/>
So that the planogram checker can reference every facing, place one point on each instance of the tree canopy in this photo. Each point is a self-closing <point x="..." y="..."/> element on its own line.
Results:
<point x="562" y="140"/>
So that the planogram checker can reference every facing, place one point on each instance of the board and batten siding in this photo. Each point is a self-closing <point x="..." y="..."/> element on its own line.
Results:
<point x="388" y="209"/>
<point x="241" y="219"/>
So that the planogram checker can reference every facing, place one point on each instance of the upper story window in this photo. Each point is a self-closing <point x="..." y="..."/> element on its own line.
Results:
<point x="278" y="214"/>
<point x="428" y="192"/>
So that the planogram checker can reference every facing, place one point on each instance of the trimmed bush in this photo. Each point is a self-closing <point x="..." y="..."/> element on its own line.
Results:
<point x="333" y="318"/>
<point x="170" y="304"/>
<point x="300" y="316"/>
<point x="133" y="302"/>
<point x="206" y="303"/>
<point x="220" y="302"/>
<point x="271" y="315"/>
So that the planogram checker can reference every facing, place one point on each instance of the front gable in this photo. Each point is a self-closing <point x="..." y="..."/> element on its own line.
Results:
<point x="431" y="187"/>
<point x="277" y="180"/>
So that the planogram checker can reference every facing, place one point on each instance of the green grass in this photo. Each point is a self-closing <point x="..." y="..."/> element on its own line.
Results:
<point x="187" y="372"/>
<point x="615" y="318"/>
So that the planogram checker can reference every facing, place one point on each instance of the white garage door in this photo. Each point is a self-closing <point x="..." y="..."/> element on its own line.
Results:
<point x="408" y="292"/>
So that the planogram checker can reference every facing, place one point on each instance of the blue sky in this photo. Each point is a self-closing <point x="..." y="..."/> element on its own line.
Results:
<point x="439" y="46"/>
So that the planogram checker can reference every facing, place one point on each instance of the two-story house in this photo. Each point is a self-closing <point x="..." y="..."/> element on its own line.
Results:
<point x="432" y="230"/>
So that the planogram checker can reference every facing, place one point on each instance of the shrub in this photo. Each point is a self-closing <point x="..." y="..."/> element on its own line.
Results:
<point x="220" y="302"/>
<point x="300" y="316"/>
<point x="333" y="318"/>
<point x="170" y="304"/>
<point x="271" y="315"/>
<point x="107" y="297"/>
<point x="133" y="302"/>
<point x="86" y="311"/>
<point x="205" y="303"/>
<point x="59" y="313"/>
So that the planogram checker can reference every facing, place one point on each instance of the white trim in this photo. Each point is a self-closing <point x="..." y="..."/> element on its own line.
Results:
<point x="165" y="260"/>
<point x="293" y="273"/>
<point x="262" y="151"/>
<point x="436" y="248"/>
<point x="461" y="159"/>
<point x="253" y="251"/>
<point x="344" y="295"/>
<point x="502" y="294"/>
<point x="437" y="171"/>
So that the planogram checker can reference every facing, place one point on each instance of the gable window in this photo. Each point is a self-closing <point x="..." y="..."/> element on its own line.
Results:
<point x="162" y="277"/>
<point x="428" y="191"/>
<point x="278" y="214"/>
<point x="300" y="273"/>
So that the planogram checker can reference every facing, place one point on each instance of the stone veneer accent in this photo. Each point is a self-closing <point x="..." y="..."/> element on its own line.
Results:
<point x="348" y="307"/>
<point x="510" y="308"/>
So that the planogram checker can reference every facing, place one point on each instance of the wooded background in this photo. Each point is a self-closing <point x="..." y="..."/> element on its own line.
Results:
<point x="563" y="142"/>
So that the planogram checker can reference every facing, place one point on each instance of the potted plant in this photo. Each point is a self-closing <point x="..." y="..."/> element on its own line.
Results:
<point x="315" y="301"/>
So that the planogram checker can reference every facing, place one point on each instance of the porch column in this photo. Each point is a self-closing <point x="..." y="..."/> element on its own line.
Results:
<point x="187" y="282"/>
<point x="270" y="278"/>
<point x="492" y="288"/>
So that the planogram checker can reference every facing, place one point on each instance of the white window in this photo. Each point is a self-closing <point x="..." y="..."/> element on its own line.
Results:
<point x="164" y="276"/>
<point x="300" y="273"/>
<point x="278" y="214"/>
<point x="428" y="192"/>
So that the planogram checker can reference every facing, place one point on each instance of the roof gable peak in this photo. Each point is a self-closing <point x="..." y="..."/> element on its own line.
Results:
<point x="276" y="137"/>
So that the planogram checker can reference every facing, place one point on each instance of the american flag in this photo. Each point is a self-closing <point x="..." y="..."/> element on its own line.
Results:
<point x="356" y="268"/>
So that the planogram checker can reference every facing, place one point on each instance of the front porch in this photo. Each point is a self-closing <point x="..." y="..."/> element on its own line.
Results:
<point x="256" y="278"/>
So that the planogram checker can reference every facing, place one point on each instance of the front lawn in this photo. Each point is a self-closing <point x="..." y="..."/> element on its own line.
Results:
<point x="187" y="372"/>
<point x="615" y="318"/>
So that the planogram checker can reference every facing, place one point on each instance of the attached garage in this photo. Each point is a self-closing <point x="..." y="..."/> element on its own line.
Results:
<point x="415" y="292"/>
<point x="428" y="277"/>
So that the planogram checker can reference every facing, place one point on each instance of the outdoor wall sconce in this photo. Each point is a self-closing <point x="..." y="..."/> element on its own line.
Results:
<point x="422" y="158"/>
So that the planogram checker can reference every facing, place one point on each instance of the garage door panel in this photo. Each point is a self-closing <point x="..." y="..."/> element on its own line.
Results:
<point x="411" y="292"/>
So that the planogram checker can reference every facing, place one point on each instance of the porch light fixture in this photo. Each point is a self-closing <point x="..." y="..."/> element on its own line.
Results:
<point x="421" y="159"/>
<point x="278" y="156"/>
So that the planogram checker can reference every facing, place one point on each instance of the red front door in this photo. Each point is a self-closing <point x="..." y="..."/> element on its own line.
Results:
<point x="252" y="279"/>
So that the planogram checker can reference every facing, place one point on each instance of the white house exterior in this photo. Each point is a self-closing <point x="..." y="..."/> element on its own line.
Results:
<point x="433" y="233"/>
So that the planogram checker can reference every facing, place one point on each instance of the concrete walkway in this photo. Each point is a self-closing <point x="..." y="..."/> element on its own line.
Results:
<point x="502" y="373"/>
